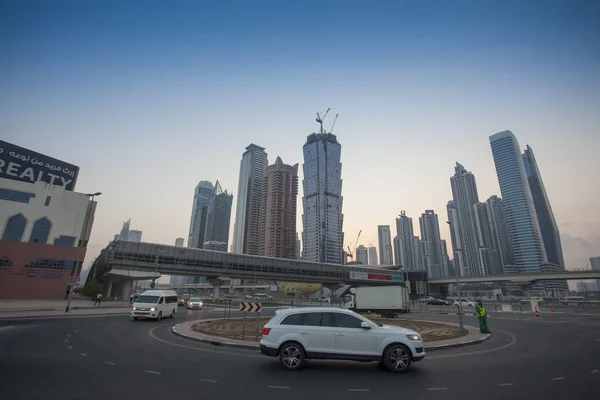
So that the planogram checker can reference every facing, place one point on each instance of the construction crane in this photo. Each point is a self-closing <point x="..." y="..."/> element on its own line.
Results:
<point x="351" y="251"/>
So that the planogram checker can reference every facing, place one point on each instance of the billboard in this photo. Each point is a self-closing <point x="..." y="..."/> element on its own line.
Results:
<point x="367" y="276"/>
<point x="21" y="164"/>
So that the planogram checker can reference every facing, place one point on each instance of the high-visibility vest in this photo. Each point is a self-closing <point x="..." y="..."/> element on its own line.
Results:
<point x="480" y="311"/>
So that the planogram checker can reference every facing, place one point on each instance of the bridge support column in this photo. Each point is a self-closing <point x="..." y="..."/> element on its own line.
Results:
<point x="331" y="286"/>
<point x="126" y="290"/>
<point x="109" y="287"/>
<point x="528" y="292"/>
<point x="216" y="284"/>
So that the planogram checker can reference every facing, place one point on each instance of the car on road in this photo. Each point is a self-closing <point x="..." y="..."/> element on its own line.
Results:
<point x="154" y="304"/>
<point x="182" y="302"/>
<point x="438" y="302"/>
<point x="195" y="304"/>
<point x="426" y="299"/>
<point x="464" y="303"/>
<point x="295" y="335"/>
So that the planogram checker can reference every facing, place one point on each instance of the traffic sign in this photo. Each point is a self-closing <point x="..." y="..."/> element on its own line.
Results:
<point x="250" y="307"/>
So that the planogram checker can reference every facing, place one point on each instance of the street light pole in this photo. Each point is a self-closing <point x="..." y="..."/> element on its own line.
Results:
<point x="460" y="318"/>
<point x="152" y="284"/>
<point x="80" y="241"/>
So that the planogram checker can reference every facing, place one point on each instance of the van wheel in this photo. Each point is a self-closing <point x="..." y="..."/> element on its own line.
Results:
<point x="135" y="318"/>
<point x="173" y="314"/>
<point x="397" y="358"/>
<point x="159" y="315"/>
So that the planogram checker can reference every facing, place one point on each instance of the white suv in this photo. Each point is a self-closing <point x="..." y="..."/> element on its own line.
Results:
<point x="297" y="334"/>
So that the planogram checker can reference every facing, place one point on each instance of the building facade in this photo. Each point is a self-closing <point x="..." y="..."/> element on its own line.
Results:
<point x="595" y="265"/>
<point x="322" y="218"/>
<point x="278" y="221"/>
<point x="202" y="195"/>
<point x="432" y="246"/>
<point x="179" y="242"/>
<point x="384" y="236"/>
<point x="250" y="202"/>
<point x="373" y="259"/>
<point x="543" y="210"/>
<point x="521" y="219"/>
<point x="406" y="245"/>
<point x="362" y="255"/>
<point x="499" y="231"/>
<point x="218" y="217"/>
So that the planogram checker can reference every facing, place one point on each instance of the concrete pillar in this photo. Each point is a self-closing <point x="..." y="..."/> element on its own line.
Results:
<point x="109" y="287"/>
<point x="126" y="290"/>
<point x="216" y="284"/>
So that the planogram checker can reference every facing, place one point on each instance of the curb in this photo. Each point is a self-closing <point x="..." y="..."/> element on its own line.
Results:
<point x="217" y="341"/>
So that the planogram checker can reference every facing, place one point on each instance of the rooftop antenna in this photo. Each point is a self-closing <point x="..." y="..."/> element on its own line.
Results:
<point x="320" y="120"/>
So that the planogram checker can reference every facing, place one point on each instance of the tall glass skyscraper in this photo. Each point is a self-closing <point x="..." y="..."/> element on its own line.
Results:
<point x="218" y="217"/>
<point x="435" y="254"/>
<point x="521" y="219"/>
<point x="322" y="219"/>
<point x="202" y="195"/>
<point x="545" y="216"/>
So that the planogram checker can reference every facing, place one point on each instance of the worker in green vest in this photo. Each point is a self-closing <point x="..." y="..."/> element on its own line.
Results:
<point x="482" y="317"/>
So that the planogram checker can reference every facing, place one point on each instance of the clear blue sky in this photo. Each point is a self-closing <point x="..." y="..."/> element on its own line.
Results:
<point x="150" y="97"/>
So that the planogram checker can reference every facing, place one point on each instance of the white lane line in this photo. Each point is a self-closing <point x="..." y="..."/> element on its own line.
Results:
<point x="109" y="363"/>
<point x="279" y="387"/>
<point x="594" y="371"/>
<point x="6" y="327"/>
<point x="437" y="388"/>
<point x="560" y="378"/>
<point x="207" y="380"/>
<point x="152" y="372"/>
<point x="76" y="330"/>
<point x="66" y="341"/>
<point x="359" y="390"/>
<point x="70" y="347"/>
<point x="83" y="354"/>
<point x="597" y="340"/>
<point x="505" y="384"/>
<point x="69" y="335"/>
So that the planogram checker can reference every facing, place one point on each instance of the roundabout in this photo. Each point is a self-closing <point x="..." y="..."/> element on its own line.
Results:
<point x="114" y="357"/>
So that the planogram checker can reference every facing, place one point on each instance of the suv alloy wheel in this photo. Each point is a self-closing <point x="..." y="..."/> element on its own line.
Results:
<point x="291" y="356"/>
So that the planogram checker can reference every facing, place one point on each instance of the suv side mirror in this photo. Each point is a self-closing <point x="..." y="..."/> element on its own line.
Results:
<point x="364" y="325"/>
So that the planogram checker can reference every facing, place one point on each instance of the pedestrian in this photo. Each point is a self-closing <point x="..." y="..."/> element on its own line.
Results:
<point x="98" y="299"/>
<point x="131" y="298"/>
<point x="482" y="317"/>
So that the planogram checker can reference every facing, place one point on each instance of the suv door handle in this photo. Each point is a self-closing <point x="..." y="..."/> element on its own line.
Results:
<point x="339" y="334"/>
<point x="304" y="332"/>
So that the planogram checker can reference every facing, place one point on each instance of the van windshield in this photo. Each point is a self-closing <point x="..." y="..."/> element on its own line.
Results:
<point x="147" y="299"/>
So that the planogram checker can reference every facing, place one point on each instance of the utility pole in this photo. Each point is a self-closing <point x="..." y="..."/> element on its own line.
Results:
<point x="80" y="244"/>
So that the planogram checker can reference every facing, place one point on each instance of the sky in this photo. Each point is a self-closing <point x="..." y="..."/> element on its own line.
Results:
<point x="150" y="97"/>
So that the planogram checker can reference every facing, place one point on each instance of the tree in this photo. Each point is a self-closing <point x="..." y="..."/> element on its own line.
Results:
<point x="91" y="289"/>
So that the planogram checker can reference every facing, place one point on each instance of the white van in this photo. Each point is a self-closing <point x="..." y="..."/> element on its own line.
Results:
<point x="155" y="304"/>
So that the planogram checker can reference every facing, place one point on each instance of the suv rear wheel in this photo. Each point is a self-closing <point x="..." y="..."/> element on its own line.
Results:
<point x="291" y="356"/>
<point x="397" y="358"/>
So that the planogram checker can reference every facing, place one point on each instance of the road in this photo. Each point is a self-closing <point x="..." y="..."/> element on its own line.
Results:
<point x="113" y="357"/>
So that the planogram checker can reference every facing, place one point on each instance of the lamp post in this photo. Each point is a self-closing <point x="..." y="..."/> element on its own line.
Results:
<point x="80" y="242"/>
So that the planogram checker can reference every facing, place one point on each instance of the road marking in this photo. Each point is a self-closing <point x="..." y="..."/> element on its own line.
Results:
<point x="597" y="340"/>
<point x="560" y="378"/>
<point x="512" y="343"/>
<point x="70" y="347"/>
<point x="152" y="372"/>
<point x="359" y="390"/>
<point x="69" y="335"/>
<point x="83" y="354"/>
<point x="437" y="388"/>
<point x="66" y="341"/>
<point x="594" y="371"/>
<point x="207" y="380"/>
<point x="505" y="384"/>
<point x="279" y="387"/>
<point x="110" y="363"/>
<point x="6" y="327"/>
<point x="76" y="330"/>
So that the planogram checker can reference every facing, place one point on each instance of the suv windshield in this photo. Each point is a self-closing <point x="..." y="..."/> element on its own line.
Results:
<point x="147" y="299"/>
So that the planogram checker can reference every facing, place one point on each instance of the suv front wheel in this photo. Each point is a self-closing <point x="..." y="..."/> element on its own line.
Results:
<point x="291" y="356"/>
<point x="397" y="358"/>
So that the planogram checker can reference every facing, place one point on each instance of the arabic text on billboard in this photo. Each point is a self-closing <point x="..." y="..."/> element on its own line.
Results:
<point x="20" y="164"/>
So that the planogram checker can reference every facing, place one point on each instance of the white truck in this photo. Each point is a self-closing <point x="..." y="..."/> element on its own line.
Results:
<point x="386" y="301"/>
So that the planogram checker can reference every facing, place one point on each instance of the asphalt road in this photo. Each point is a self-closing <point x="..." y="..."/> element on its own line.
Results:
<point x="116" y="358"/>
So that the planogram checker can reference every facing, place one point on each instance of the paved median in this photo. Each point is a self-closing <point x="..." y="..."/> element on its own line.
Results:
<point x="234" y="332"/>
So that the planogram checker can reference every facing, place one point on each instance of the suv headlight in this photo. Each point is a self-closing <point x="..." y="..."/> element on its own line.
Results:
<point x="414" y="337"/>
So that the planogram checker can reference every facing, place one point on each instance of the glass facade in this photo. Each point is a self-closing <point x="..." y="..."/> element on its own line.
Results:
<point x="41" y="231"/>
<point x="51" y="264"/>
<point x="65" y="241"/>
<point x="522" y="223"/>
<point x="218" y="217"/>
<point x="14" y="195"/>
<point x="202" y="195"/>
<point x="322" y="218"/>
<point x="14" y="228"/>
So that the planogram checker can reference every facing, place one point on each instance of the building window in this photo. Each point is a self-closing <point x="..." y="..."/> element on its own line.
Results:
<point x="51" y="264"/>
<point x="5" y="262"/>
<point x="14" y="195"/>
<point x="41" y="231"/>
<point x="65" y="241"/>
<point x="47" y="203"/>
<point x="15" y="228"/>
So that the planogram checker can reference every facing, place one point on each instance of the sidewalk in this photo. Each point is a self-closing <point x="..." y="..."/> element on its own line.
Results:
<point x="54" y="308"/>
<point x="185" y="330"/>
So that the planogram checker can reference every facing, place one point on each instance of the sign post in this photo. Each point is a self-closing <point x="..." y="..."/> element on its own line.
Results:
<point x="249" y="307"/>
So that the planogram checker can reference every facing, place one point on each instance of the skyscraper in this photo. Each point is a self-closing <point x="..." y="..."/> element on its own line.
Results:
<point x="521" y="219"/>
<point x="250" y="201"/>
<point x="404" y="246"/>
<point x="278" y="221"/>
<point x="129" y="235"/>
<point x="488" y="254"/>
<point x="218" y="217"/>
<point x="431" y="244"/>
<point x="543" y="210"/>
<point x="361" y="255"/>
<point x="464" y="218"/>
<point x="202" y="195"/>
<point x="322" y="218"/>
<point x="384" y="235"/>
<point x="373" y="260"/>
<point x="499" y="230"/>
